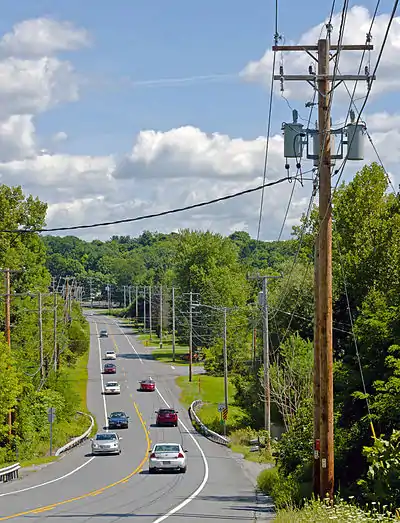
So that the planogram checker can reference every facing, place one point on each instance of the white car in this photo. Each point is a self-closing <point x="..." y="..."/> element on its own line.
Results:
<point x="110" y="355"/>
<point x="112" y="387"/>
<point x="167" y="456"/>
<point x="106" y="443"/>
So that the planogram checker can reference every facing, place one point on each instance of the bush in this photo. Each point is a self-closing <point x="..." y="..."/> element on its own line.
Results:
<point x="285" y="491"/>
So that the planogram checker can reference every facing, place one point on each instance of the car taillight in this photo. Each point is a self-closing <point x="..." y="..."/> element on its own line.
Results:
<point x="152" y="455"/>
<point x="180" y="455"/>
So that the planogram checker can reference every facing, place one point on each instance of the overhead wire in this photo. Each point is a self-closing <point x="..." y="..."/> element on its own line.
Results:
<point x="269" y="121"/>
<point x="152" y="215"/>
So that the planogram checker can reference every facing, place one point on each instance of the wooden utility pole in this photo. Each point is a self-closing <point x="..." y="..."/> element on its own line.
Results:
<point x="316" y="376"/>
<point x="144" y="309"/>
<point x="7" y="328"/>
<point x="190" y="334"/>
<point x="137" y="303"/>
<point x="55" y="331"/>
<point x="161" y="316"/>
<point x="42" y="369"/>
<point x="323" y="370"/>
<point x="150" y="313"/>
<point x="324" y="314"/>
<point x="267" y="391"/>
<point x="173" y="323"/>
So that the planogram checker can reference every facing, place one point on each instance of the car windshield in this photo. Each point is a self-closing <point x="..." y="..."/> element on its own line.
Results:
<point x="148" y="381"/>
<point x="166" y="411"/>
<point x="110" y="352"/>
<point x="106" y="437"/>
<point x="109" y="365"/>
<point x="112" y="384"/>
<point x="117" y="415"/>
<point x="166" y="448"/>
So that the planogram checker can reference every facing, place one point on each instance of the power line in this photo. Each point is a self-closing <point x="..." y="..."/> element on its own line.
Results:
<point x="153" y="215"/>
<point x="271" y="97"/>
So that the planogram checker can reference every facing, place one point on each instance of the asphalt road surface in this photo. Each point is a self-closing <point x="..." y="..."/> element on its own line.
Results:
<point x="81" y="488"/>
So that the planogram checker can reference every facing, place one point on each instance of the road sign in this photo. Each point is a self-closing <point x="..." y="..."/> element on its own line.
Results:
<point x="221" y="407"/>
<point x="225" y="414"/>
<point x="51" y="414"/>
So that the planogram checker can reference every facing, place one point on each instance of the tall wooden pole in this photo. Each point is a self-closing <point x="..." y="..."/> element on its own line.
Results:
<point x="173" y="323"/>
<point x="8" y="329"/>
<point x="325" y="272"/>
<point x="316" y="377"/>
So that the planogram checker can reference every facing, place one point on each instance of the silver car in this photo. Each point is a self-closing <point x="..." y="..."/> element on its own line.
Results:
<point x="106" y="443"/>
<point x="167" y="456"/>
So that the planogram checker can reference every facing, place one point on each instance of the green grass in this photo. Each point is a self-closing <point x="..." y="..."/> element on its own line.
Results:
<point x="341" y="512"/>
<point x="210" y="389"/>
<point x="165" y="354"/>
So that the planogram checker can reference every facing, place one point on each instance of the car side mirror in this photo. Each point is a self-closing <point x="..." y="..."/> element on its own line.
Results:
<point x="186" y="451"/>
<point x="120" y="438"/>
<point x="156" y="411"/>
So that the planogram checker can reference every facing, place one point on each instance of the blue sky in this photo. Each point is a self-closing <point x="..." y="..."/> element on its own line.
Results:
<point x="137" y="41"/>
<point x="145" y="40"/>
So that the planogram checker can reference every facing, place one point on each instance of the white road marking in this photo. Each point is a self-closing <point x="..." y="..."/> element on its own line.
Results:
<point x="206" y="468"/>
<point x="49" y="482"/>
<point x="203" y="483"/>
<point x="102" y="380"/>
<point x="172" y="367"/>
<point x="130" y="343"/>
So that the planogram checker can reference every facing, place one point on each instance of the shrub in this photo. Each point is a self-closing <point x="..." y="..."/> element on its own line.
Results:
<point x="284" y="490"/>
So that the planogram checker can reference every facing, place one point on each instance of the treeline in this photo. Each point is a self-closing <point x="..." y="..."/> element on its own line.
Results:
<point x="366" y="262"/>
<point x="31" y="383"/>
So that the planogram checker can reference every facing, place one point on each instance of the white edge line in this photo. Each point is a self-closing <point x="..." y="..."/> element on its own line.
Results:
<point x="203" y="483"/>
<point x="206" y="468"/>
<point x="130" y="343"/>
<point x="102" y="379"/>
<point x="49" y="482"/>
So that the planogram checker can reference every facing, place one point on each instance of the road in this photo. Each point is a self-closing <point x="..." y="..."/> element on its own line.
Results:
<point x="82" y="488"/>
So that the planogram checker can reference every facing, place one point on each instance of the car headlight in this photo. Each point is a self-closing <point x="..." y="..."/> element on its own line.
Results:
<point x="95" y="445"/>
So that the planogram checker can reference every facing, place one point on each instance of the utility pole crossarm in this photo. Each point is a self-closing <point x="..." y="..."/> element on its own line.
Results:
<point x="348" y="47"/>
<point x="317" y="77"/>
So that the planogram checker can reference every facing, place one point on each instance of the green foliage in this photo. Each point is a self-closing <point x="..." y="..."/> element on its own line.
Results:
<point x="340" y="512"/>
<point x="284" y="490"/>
<point x="27" y="390"/>
<point x="383" y="477"/>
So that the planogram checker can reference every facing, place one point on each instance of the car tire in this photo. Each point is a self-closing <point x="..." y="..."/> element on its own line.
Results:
<point x="183" y="470"/>
<point x="152" y="470"/>
<point x="176" y="424"/>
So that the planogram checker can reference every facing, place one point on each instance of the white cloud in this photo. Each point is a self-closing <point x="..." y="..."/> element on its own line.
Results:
<point x="187" y="152"/>
<point x="17" y="138"/>
<point x="61" y="136"/>
<point x="357" y="25"/>
<point x="42" y="37"/>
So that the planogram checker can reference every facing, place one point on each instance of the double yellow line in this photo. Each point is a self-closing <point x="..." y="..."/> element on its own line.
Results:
<point x="39" y="510"/>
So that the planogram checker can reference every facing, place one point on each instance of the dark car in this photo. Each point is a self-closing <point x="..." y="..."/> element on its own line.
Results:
<point x="110" y="368"/>
<point x="103" y="333"/>
<point x="167" y="417"/>
<point x="148" y="385"/>
<point x="118" y="420"/>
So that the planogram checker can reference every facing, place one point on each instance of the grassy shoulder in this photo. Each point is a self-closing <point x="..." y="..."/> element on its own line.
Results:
<point x="210" y="389"/>
<point x="164" y="354"/>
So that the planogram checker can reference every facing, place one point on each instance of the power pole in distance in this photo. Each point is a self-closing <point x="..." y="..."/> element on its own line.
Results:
<point x="150" y="314"/>
<point x="42" y="369"/>
<point x="137" y="303"/>
<point x="324" y="414"/>
<point x="144" y="309"/>
<point x="124" y="296"/>
<point x="173" y="323"/>
<point x="190" y="334"/>
<point x="55" y="332"/>
<point x="161" y="316"/>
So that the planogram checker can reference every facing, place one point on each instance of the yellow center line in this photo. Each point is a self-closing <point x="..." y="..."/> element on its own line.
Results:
<point x="139" y="468"/>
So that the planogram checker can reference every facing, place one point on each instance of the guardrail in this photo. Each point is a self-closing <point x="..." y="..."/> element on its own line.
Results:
<point x="210" y="434"/>
<point x="79" y="439"/>
<point x="9" y="473"/>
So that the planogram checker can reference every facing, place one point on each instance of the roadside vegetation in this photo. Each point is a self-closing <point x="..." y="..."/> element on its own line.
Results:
<point x="366" y="281"/>
<point x="27" y="388"/>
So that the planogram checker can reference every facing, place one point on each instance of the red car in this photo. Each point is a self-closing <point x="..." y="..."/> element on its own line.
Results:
<point x="148" y="385"/>
<point x="167" y="417"/>
<point x="110" y="368"/>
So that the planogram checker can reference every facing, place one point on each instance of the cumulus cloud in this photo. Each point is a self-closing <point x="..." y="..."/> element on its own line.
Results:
<point x="357" y="26"/>
<point x="187" y="152"/>
<point x="42" y="37"/>
<point x="61" y="136"/>
<point x="17" y="138"/>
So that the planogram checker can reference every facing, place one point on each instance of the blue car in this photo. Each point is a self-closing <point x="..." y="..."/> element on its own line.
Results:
<point x="118" y="420"/>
